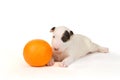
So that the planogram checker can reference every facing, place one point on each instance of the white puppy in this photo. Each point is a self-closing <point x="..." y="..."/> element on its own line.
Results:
<point x="68" y="47"/>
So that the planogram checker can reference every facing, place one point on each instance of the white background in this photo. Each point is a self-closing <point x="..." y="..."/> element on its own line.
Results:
<point x="23" y="20"/>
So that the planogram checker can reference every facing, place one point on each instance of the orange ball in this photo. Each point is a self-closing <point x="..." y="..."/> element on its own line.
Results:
<point x="37" y="52"/>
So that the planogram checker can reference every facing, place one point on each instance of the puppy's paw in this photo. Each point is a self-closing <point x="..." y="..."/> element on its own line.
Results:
<point x="51" y="63"/>
<point x="61" y="64"/>
<point x="104" y="50"/>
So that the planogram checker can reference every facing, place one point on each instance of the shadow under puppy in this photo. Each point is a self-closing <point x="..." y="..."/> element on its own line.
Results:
<point x="68" y="47"/>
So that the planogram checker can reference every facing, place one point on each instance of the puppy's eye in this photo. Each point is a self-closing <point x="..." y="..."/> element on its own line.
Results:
<point x="53" y="36"/>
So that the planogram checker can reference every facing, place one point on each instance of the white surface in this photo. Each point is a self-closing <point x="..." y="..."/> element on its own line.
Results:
<point x="21" y="21"/>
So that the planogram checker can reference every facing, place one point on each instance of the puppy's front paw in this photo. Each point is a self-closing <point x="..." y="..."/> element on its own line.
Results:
<point x="63" y="64"/>
<point x="104" y="50"/>
<point x="51" y="63"/>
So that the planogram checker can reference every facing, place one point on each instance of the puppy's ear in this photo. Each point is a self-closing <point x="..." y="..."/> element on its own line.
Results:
<point x="71" y="33"/>
<point x="52" y="29"/>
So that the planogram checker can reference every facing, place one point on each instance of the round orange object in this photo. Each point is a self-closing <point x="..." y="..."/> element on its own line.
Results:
<point x="37" y="52"/>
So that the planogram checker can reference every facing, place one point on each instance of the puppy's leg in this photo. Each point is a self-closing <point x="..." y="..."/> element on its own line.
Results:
<point x="97" y="48"/>
<point x="67" y="61"/>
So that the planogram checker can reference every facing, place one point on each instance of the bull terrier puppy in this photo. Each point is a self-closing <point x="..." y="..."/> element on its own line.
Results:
<point x="68" y="47"/>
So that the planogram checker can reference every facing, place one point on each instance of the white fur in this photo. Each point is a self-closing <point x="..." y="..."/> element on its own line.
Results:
<point x="76" y="47"/>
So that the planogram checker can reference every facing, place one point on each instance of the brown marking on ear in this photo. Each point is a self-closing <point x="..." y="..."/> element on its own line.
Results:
<point x="52" y="29"/>
<point x="71" y="33"/>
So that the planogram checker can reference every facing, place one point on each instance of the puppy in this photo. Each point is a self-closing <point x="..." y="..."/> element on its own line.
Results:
<point x="68" y="47"/>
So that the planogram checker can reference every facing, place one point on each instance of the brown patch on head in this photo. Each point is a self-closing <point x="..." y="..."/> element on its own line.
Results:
<point x="66" y="35"/>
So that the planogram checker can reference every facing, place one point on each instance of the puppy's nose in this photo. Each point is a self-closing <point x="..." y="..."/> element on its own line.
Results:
<point x="56" y="49"/>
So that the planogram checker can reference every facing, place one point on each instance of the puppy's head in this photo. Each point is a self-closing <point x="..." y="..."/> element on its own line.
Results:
<point x="61" y="38"/>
